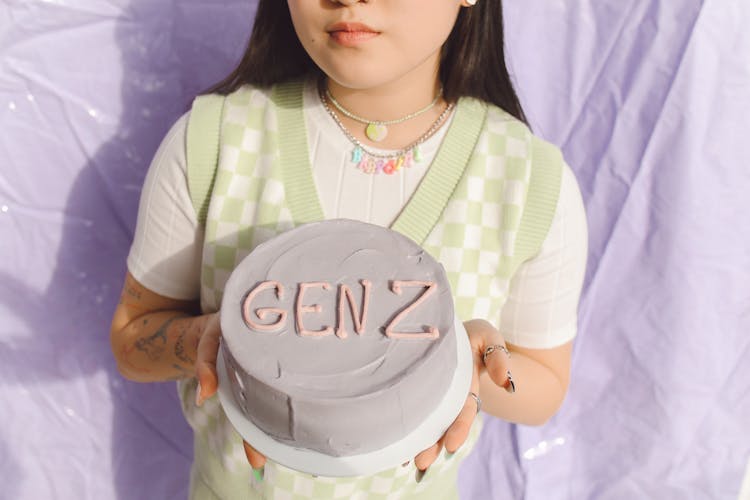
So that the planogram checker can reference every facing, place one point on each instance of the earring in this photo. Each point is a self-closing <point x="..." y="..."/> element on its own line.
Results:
<point x="471" y="2"/>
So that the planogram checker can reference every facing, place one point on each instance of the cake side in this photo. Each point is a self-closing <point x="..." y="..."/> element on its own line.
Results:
<point x="305" y="368"/>
<point x="347" y="425"/>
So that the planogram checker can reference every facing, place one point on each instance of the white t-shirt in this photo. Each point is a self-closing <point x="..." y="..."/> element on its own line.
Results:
<point x="541" y="310"/>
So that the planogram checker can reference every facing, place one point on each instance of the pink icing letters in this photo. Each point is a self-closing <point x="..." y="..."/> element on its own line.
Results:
<point x="359" y="322"/>
<point x="301" y="309"/>
<point x="432" y="332"/>
<point x="263" y="311"/>
<point x="345" y="295"/>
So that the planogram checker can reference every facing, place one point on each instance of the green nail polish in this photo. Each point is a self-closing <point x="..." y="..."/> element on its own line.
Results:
<point x="258" y="473"/>
<point x="420" y="475"/>
<point x="449" y="455"/>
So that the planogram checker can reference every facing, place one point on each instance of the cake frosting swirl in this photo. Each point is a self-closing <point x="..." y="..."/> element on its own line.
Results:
<point x="338" y="336"/>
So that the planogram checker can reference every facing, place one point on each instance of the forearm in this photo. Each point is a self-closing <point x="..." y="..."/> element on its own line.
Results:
<point x="539" y="392"/>
<point x="158" y="346"/>
<point x="155" y="338"/>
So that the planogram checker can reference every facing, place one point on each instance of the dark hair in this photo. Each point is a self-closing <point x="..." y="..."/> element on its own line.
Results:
<point x="472" y="62"/>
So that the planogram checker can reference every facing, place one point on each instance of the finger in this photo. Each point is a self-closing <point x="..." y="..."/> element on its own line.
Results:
<point x="457" y="433"/>
<point x="497" y="362"/>
<point x="498" y="365"/>
<point x="481" y="335"/>
<point x="428" y="456"/>
<point x="205" y="366"/>
<point x="256" y="459"/>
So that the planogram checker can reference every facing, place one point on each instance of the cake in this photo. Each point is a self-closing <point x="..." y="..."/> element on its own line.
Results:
<point x="338" y="337"/>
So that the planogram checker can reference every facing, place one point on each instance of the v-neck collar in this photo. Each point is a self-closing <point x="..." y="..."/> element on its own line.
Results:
<point x="424" y="208"/>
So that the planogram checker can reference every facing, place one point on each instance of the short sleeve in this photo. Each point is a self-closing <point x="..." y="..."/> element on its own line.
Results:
<point x="542" y="307"/>
<point x="165" y="255"/>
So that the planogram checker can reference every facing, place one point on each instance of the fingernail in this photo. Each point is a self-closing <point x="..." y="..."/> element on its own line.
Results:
<point x="510" y="386"/>
<point x="420" y="475"/>
<point x="449" y="454"/>
<point x="258" y="474"/>
<point x="198" y="400"/>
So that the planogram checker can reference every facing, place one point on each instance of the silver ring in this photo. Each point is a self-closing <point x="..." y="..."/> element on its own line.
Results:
<point x="493" y="348"/>
<point x="477" y="399"/>
<point x="510" y="386"/>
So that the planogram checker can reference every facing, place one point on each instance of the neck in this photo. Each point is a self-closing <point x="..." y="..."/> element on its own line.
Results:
<point x="393" y="99"/>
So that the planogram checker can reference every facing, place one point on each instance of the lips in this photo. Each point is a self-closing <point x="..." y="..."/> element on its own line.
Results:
<point x="350" y="34"/>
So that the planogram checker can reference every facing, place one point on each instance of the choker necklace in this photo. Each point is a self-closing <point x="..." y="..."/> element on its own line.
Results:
<point x="377" y="130"/>
<point x="371" y="162"/>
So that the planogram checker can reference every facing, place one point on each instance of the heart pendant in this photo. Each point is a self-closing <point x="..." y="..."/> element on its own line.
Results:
<point x="376" y="132"/>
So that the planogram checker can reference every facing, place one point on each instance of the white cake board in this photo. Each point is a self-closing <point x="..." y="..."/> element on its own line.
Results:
<point x="320" y="464"/>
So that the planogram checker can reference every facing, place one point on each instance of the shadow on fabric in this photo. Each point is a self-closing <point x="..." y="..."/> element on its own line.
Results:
<point x="166" y="59"/>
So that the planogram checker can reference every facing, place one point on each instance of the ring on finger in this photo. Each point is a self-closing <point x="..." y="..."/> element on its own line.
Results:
<point x="493" y="348"/>
<point x="477" y="399"/>
<point x="509" y="386"/>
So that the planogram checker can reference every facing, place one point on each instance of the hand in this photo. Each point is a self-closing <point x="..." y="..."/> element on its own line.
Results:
<point x="208" y="381"/>
<point x="256" y="459"/>
<point x="205" y="362"/>
<point x="481" y="335"/>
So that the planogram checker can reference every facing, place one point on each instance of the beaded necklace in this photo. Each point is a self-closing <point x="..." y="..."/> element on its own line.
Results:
<point x="377" y="130"/>
<point x="371" y="162"/>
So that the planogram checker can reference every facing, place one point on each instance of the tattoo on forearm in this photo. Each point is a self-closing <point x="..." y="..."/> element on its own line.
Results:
<point x="180" y="373"/>
<point x="154" y="345"/>
<point x="179" y="348"/>
<point x="132" y="292"/>
<point x="131" y="297"/>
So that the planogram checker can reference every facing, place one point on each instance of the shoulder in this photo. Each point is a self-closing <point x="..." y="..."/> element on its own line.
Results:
<point x="242" y="99"/>
<point x="170" y="155"/>
<point x="537" y="164"/>
<point x="254" y="106"/>
<point x="253" y="96"/>
<point x="250" y="95"/>
<point x="570" y="204"/>
<point x="167" y="173"/>
<point x="514" y="138"/>
<point x="555" y="196"/>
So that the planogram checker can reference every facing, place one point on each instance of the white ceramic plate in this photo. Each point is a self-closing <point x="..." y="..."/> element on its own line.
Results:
<point x="319" y="464"/>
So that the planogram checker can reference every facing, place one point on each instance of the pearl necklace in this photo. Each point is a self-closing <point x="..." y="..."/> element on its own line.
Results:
<point x="371" y="162"/>
<point x="377" y="130"/>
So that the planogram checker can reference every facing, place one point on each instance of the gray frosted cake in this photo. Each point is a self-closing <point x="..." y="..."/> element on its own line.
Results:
<point x="338" y="336"/>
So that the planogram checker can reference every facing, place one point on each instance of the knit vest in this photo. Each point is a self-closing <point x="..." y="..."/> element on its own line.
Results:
<point x="484" y="207"/>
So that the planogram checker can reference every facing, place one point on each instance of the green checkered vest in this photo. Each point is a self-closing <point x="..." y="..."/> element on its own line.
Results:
<point x="484" y="206"/>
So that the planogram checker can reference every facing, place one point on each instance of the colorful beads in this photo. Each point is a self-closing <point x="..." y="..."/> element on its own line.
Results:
<point x="367" y="165"/>
<point x="389" y="165"/>
<point x="357" y="155"/>
<point x="417" y="154"/>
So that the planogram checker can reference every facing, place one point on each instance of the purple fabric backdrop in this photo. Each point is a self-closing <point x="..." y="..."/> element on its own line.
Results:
<point x="648" y="99"/>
